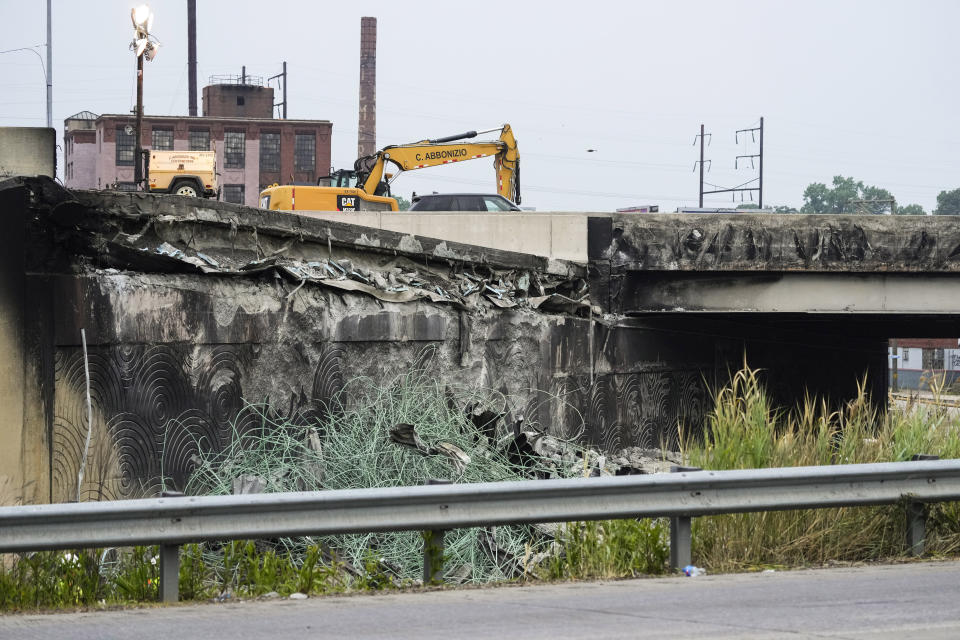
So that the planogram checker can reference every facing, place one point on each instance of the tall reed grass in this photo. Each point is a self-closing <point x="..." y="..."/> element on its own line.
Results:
<point x="745" y="431"/>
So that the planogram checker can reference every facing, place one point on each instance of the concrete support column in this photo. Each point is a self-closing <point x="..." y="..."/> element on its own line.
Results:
<point x="24" y="410"/>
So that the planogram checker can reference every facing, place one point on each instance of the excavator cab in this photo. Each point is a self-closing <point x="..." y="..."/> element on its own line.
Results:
<point x="344" y="178"/>
<point x="362" y="169"/>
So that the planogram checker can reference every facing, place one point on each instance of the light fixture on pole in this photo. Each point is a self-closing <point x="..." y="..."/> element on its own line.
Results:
<point x="143" y="46"/>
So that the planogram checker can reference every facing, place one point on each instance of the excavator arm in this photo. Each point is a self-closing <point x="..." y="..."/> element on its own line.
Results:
<point x="431" y="153"/>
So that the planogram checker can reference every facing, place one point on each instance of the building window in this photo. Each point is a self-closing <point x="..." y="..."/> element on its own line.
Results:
<point x="199" y="139"/>
<point x="125" y="144"/>
<point x="240" y="101"/>
<point x="906" y="355"/>
<point x="305" y="152"/>
<point x="162" y="140"/>
<point x="233" y="193"/>
<point x="234" y="145"/>
<point x="126" y="186"/>
<point x="932" y="358"/>
<point x="269" y="152"/>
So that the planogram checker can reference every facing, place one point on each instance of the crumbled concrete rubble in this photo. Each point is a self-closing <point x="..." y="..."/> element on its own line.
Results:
<point x="568" y="459"/>
<point x="637" y="460"/>
<point x="404" y="283"/>
<point x="157" y="234"/>
<point x="561" y="459"/>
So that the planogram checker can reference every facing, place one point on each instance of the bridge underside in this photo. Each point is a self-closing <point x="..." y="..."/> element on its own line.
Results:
<point x="818" y="333"/>
<point x="837" y="295"/>
<point x="812" y="299"/>
<point x="824" y="354"/>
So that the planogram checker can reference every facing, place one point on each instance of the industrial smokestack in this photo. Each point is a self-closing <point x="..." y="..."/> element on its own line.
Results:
<point x="192" y="53"/>
<point x="367" y="129"/>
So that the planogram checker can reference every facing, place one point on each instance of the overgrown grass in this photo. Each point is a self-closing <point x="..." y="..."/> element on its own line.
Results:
<point x="238" y="569"/>
<point x="745" y="431"/>
<point x="608" y="549"/>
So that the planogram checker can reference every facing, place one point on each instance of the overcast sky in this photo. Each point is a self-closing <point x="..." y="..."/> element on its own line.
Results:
<point x="865" y="89"/>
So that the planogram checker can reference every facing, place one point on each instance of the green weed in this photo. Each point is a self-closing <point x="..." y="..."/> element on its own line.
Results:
<point x="609" y="548"/>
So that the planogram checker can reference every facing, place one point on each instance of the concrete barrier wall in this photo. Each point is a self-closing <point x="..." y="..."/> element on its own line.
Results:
<point x="560" y="236"/>
<point x="28" y="151"/>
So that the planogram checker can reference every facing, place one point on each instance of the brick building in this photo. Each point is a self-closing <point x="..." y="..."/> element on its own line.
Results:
<point x="253" y="149"/>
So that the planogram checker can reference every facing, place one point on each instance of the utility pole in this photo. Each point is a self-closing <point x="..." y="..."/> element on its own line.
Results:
<point x="894" y="363"/>
<point x="752" y="131"/>
<point x="701" y="161"/>
<point x="869" y="207"/>
<point x="701" y="165"/>
<point x="49" y="68"/>
<point x="761" y="163"/>
<point x="744" y="186"/>
<point x="282" y="79"/>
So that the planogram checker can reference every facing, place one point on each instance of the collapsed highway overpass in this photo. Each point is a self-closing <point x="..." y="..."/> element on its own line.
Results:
<point x="192" y="308"/>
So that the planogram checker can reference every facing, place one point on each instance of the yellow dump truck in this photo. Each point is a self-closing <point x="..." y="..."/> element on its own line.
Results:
<point x="185" y="173"/>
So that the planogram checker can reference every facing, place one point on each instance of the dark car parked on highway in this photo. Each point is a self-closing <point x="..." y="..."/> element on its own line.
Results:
<point x="462" y="202"/>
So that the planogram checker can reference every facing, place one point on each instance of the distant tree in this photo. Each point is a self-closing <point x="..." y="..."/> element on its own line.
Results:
<point x="845" y="196"/>
<point x="844" y="191"/>
<point x="816" y="199"/>
<point x="948" y="203"/>
<point x="748" y="205"/>
<point x="402" y="203"/>
<point x="910" y="210"/>
<point x="785" y="209"/>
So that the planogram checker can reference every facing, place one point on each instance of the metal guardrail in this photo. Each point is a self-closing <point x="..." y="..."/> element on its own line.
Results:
<point x="172" y="521"/>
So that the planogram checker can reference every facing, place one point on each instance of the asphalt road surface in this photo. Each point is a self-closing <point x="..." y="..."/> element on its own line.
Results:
<point x="919" y="600"/>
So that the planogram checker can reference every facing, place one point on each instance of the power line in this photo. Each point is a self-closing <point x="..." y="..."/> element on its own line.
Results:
<point x="701" y="161"/>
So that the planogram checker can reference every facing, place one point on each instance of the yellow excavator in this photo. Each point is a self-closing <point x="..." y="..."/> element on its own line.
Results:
<point x="367" y="186"/>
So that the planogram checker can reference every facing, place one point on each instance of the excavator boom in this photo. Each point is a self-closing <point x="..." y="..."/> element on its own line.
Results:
<point x="446" y="150"/>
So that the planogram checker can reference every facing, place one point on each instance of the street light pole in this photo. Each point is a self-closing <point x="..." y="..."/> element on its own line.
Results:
<point x="143" y="47"/>
<point x="137" y="144"/>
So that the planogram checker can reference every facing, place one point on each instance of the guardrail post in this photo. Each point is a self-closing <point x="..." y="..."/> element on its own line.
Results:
<point x="679" y="542"/>
<point x="433" y="549"/>
<point x="170" y="564"/>
<point x="169" y="572"/>
<point x="680" y="538"/>
<point x="916" y="527"/>
<point x="917" y="517"/>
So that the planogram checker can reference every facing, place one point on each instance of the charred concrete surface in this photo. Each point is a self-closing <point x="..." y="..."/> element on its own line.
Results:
<point x="778" y="243"/>
<point x="190" y="308"/>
